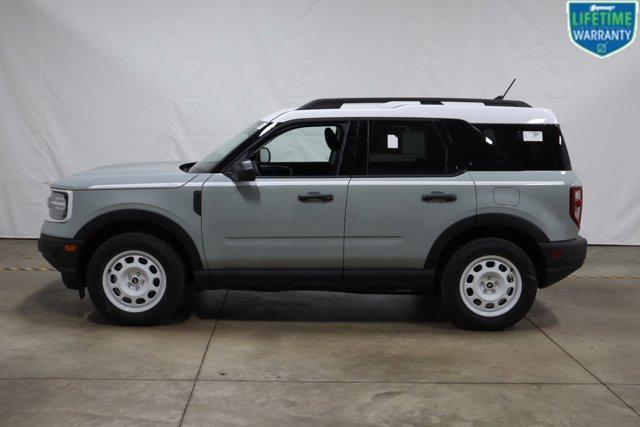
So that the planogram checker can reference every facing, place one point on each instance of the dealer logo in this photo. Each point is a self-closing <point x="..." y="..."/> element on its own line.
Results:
<point x="602" y="29"/>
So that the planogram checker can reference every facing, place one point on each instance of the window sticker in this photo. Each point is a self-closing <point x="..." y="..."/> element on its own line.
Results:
<point x="532" y="136"/>
<point x="392" y="142"/>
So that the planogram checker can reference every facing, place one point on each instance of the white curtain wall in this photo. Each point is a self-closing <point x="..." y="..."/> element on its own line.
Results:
<point x="89" y="82"/>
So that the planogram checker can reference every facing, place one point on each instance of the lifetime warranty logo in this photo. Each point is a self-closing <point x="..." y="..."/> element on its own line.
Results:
<point x="602" y="29"/>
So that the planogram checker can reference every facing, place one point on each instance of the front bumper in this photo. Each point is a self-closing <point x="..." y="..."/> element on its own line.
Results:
<point x="57" y="251"/>
<point x="562" y="259"/>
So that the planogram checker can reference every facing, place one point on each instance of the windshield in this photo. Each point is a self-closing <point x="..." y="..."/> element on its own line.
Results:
<point x="206" y="164"/>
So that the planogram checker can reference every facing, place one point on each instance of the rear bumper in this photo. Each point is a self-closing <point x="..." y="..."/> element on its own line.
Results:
<point x="57" y="251"/>
<point x="562" y="259"/>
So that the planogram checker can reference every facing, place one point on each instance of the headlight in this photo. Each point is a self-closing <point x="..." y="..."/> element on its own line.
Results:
<point x="59" y="204"/>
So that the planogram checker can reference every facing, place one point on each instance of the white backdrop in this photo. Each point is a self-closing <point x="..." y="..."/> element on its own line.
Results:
<point x="87" y="82"/>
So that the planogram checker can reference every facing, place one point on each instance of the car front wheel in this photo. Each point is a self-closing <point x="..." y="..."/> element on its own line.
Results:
<point x="136" y="279"/>
<point x="488" y="284"/>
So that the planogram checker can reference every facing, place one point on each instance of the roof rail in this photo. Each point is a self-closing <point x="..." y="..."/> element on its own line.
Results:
<point x="332" y="103"/>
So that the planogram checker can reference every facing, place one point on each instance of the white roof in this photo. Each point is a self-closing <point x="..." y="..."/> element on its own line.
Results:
<point x="470" y="112"/>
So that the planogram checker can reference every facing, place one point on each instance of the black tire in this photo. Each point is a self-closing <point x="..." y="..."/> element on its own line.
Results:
<point x="451" y="291"/>
<point x="170" y="261"/>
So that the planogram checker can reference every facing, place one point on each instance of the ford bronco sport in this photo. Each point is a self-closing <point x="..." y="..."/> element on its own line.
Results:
<point x="472" y="199"/>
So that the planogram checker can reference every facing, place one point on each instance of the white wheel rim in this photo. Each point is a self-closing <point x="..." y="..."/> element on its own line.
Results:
<point x="134" y="281"/>
<point x="490" y="286"/>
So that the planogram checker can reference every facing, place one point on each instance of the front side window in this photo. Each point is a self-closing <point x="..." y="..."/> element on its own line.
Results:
<point x="312" y="150"/>
<point x="406" y="148"/>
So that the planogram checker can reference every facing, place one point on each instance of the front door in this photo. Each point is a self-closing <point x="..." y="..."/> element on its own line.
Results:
<point x="407" y="191"/>
<point x="292" y="215"/>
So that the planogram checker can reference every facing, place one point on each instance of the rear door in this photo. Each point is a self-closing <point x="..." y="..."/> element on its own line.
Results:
<point x="407" y="190"/>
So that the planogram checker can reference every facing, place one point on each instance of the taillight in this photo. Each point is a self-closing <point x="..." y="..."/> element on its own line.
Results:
<point x="575" y="204"/>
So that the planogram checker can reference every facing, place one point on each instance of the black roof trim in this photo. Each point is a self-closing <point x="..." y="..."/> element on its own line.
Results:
<point x="332" y="103"/>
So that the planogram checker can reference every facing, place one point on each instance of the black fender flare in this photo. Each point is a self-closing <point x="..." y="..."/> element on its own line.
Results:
<point x="482" y="221"/>
<point x="142" y="216"/>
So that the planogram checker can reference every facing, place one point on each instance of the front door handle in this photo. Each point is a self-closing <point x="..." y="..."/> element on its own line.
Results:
<point x="315" y="196"/>
<point x="439" y="197"/>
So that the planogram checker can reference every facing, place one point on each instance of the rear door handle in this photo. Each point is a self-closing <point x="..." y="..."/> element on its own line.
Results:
<point x="439" y="197"/>
<point x="315" y="196"/>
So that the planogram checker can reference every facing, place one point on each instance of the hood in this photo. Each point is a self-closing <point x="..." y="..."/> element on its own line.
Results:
<point x="128" y="175"/>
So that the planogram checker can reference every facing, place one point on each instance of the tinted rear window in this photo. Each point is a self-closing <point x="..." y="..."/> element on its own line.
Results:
<point x="510" y="146"/>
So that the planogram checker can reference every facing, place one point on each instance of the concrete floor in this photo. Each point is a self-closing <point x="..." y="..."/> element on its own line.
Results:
<point x="307" y="358"/>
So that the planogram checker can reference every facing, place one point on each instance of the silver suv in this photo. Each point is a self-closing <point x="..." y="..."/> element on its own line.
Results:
<point x="471" y="199"/>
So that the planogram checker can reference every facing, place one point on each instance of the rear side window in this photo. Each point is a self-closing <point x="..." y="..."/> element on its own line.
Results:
<point x="406" y="148"/>
<point x="509" y="146"/>
<point x="532" y="147"/>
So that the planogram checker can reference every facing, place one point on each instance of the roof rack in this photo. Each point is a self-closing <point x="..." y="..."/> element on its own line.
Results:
<point x="332" y="103"/>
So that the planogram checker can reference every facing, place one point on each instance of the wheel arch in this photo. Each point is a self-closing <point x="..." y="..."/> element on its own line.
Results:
<point x="109" y="224"/>
<point x="515" y="229"/>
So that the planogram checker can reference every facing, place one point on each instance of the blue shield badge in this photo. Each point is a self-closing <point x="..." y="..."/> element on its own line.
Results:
<point x="602" y="28"/>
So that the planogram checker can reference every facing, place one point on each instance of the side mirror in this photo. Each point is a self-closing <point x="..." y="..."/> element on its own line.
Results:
<point x="264" y="155"/>
<point x="243" y="171"/>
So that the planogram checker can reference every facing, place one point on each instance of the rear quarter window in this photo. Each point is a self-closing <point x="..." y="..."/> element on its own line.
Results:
<point x="533" y="147"/>
<point x="509" y="146"/>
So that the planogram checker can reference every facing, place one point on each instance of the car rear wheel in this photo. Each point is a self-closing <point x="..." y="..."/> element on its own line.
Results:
<point x="136" y="279"/>
<point x="488" y="284"/>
